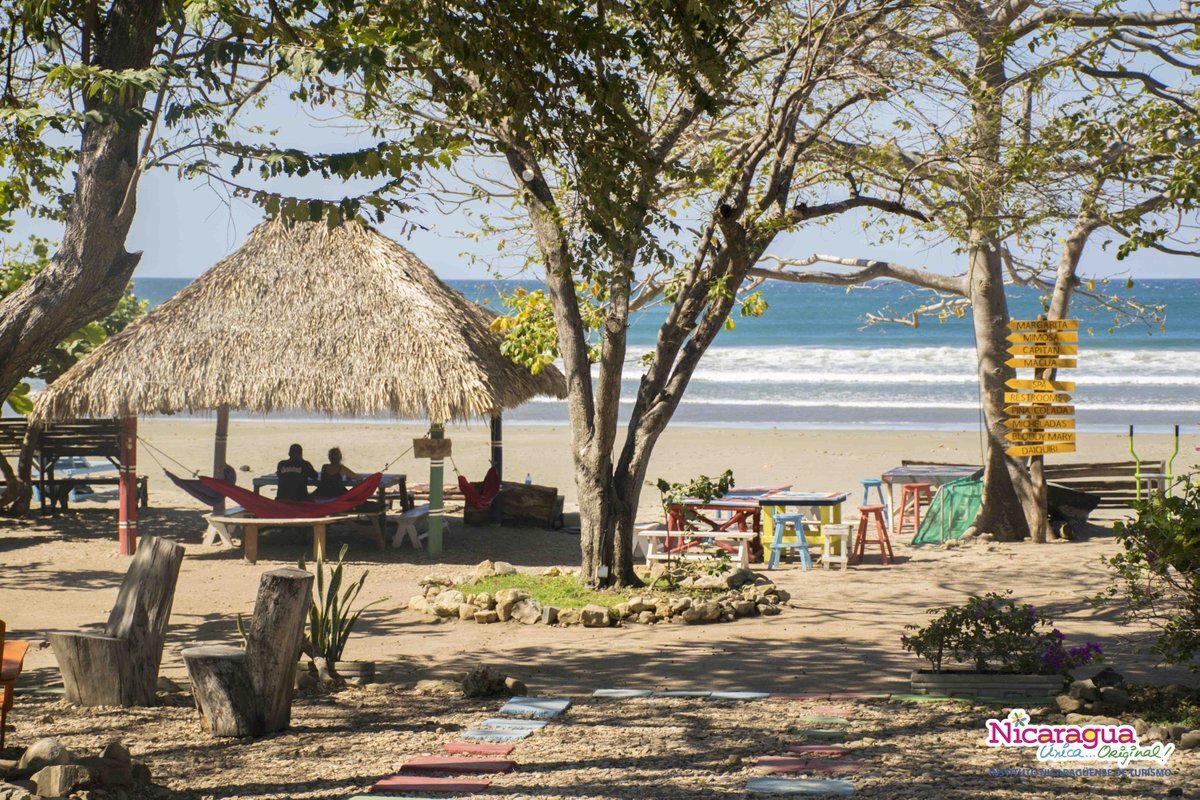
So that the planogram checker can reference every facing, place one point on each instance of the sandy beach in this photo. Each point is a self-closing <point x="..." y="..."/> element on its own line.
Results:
<point x="844" y="627"/>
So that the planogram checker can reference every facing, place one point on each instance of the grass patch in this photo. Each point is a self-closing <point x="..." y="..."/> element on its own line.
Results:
<point x="561" y="591"/>
<point x="1165" y="705"/>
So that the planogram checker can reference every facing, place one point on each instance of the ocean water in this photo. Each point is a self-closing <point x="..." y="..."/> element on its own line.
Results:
<point x="812" y="362"/>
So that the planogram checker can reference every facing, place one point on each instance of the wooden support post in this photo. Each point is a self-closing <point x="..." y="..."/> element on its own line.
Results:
<point x="249" y="692"/>
<point x="436" y="509"/>
<point x="127" y="491"/>
<point x="497" y="509"/>
<point x="220" y="444"/>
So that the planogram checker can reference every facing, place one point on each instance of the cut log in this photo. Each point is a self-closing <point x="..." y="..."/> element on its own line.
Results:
<point x="249" y="693"/>
<point x="120" y="666"/>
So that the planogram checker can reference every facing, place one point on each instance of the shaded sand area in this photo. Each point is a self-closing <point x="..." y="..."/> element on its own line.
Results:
<point x="638" y="749"/>
<point x="843" y="629"/>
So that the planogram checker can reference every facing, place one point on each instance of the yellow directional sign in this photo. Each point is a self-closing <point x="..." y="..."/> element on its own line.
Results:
<point x="1043" y="349"/>
<point x="1044" y="337"/>
<point x="1040" y="436"/>
<point x="1043" y="324"/>
<point x="1036" y="397"/>
<point x="1041" y="363"/>
<point x="1040" y="449"/>
<point x="1040" y="384"/>
<point x="1040" y="410"/>
<point x="1039" y="423"/>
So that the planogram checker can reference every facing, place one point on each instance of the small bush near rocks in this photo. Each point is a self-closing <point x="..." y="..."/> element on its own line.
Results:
<point x="995" y="634"/>
<point x="1165" y="705"/>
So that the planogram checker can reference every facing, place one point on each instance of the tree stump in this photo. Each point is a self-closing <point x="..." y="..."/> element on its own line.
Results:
<point x="120" y="666"/>
<point x="249" y="692"/>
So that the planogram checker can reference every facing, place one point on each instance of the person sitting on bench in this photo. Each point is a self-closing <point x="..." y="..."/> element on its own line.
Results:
<point x="334" y="475"/>
<point x="294" y="475"/>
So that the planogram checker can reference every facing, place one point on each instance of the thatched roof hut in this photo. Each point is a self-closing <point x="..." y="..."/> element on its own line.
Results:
<point x="340" y="321"/>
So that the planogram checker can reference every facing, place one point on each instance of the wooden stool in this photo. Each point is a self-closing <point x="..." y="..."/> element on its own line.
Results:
<point x="914" y="493"/>
<point x="865" y="514"/>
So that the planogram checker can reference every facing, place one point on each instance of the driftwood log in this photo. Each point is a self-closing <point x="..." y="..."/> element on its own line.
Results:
<point x="249" y="692"/>
<point x="120" y="666"/>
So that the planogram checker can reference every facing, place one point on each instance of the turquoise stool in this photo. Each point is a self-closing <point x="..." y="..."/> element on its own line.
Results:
<point x="800" y="544"/>
<point x="877" y="485"/>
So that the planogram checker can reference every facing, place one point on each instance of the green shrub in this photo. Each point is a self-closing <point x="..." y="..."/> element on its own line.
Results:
<point x="1156" y="577"/>
<point x="993" y="633"/>
<point x="332" y="617"/>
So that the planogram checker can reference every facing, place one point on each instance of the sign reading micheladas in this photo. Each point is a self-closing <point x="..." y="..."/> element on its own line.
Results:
<point x="1088" y="742"/>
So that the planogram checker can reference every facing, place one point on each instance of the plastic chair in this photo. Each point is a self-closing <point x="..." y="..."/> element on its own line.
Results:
<point x="801" y="543"/>
<point x="877" y="484"/>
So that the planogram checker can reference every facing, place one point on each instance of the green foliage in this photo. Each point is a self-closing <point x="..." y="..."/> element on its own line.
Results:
<point x="1165" y="705"/>
<point x="561" y="591"/>
<point x="701" y="487"/>
<point x="993" y="633"/>
<point x="1157" y="576"/>
<point x="332" y="616"/>
<point x="530" y="335"/>
<point x="22" y="263"/>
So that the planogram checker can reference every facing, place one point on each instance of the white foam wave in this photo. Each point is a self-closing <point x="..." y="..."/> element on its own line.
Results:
<point x="690" y="400"/>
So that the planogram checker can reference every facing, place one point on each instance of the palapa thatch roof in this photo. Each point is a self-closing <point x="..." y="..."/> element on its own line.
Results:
<point x="340" y="321"/>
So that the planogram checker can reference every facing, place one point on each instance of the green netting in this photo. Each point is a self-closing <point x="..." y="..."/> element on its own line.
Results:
<point x="950" y="512"/>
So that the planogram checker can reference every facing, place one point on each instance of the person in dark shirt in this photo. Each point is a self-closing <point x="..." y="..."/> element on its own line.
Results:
<point x="334" y="476"/>
<point x="294" y="475"/>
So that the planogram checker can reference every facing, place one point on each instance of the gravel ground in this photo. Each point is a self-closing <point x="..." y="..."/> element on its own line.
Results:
<point x="660" y="748"/>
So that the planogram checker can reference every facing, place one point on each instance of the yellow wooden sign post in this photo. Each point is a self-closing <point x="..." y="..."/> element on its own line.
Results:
<point x="1040" y="420"/>
<point x="1040" y="449"/>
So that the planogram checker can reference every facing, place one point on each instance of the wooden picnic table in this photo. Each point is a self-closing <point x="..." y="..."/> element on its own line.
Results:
<point x="222" y="524"/>
<point x="389" y="480"/>
<point x="739" y="510"/>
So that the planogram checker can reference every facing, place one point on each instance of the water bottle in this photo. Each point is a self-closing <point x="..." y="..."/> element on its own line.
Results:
<point x="528" y="479"/>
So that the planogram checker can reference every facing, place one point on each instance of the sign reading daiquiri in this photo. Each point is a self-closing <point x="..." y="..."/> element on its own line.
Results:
<point x="1089" y="742"/>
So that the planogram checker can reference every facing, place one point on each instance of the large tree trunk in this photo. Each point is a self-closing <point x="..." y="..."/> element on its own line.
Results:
<point x="88" y="274"/>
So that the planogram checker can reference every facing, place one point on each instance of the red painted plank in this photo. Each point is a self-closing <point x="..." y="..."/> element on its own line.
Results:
<point x="419" y="783"/>
<point x="457" y="765"/>
<point x="479" y="748"/>
<point x="785" y="764"/>
<point x="818" y="749"/>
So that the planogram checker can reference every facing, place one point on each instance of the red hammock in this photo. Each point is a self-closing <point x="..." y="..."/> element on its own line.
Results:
<point x="267" y="508"/>
<point x="482" y="497"/>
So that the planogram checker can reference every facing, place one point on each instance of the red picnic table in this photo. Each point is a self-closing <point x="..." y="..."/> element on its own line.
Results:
<point x="740" y="510"/>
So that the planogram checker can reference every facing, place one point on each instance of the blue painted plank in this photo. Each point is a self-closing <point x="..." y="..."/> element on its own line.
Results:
<point x="621" y="693"/>
<point x="740" y="695"/>
<point x="511" y="724"/>
<point x="495" y="734"/>
<point x="536" y="706"/>
<point x="810" y="787"/>
<point x="682" y="693"/>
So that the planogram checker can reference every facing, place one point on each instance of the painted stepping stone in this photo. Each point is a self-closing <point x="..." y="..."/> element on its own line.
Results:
<point x="858" y="695"/>
<point x="799" y="695"/>
<point x="739" y="695"/>
<point x="818" y="749"/>
<point x="535" y="706"/>
<point x="682" y="693"/>
<point x="622" y="693"/>
<point x="495" y="734"/>
<point x="836" y="711"/>
<point x="824" y="734"/>
<point x="825" y="719"/>
<point x="478" y="748"/>
<point x="788" y="764"/>
<point x="811" y="787"/>
<point x="513" y="724"/>
<point x="457" y="765"/>
<point x="921" y="698"/>
<point x="420" y="783"/>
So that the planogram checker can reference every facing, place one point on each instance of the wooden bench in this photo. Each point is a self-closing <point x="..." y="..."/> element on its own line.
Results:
<point x="12" y="659"/>
<point x="119" y="667"/>
<point x="222" y="525"/>
<point x="1114" y="482"/>
<point x="654" y="544"/>
<point x="411" y="525"/>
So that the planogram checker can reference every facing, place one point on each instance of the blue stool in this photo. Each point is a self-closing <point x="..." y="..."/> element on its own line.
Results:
<point x="877" y="485"/>
<point x="800" y="544"/>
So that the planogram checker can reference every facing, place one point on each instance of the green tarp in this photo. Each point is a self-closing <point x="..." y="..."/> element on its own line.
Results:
<point x="950" y="512"/>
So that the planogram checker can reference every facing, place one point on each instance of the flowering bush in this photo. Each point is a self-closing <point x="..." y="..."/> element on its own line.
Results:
<point x="993" y="633"/>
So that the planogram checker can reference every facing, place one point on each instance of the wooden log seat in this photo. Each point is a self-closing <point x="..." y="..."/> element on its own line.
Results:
<point x="248" y="692"/>
<point x="119" y="667"/>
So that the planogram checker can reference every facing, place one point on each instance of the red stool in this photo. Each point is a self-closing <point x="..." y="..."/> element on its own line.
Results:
<point x="914" y="494"/>
<point x="865" y="515"/>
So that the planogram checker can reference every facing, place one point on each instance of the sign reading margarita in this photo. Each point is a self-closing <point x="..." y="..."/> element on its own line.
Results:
<point x="1117" y="743"/>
